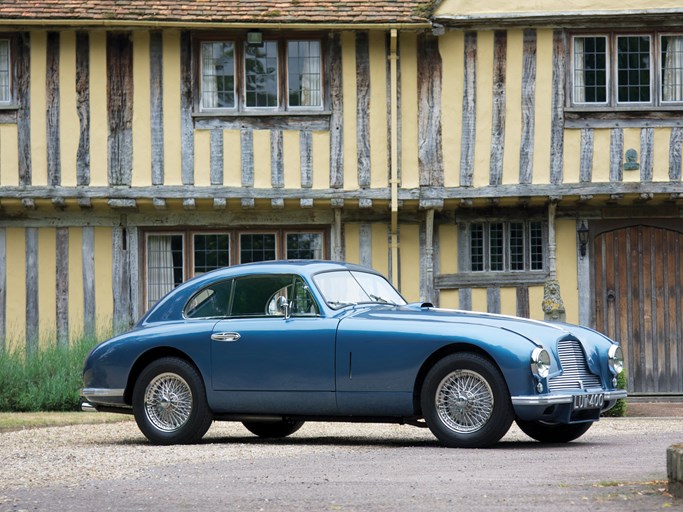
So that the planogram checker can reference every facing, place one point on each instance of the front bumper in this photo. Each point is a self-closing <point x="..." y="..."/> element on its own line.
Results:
<point x="101" y="398"/>
<point x="560" y="408"/>
<point x="565" y="398"/>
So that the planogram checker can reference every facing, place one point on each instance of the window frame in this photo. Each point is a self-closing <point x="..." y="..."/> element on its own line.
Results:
<point x="238" y="39"/>
<point x="611" y="68"/>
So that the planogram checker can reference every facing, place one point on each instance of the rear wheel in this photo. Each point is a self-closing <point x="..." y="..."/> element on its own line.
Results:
<point x="169" y="402"/>
<point x="553" y="432"/>
<point x="273" y="429"/>
<point x="465" y="401"/>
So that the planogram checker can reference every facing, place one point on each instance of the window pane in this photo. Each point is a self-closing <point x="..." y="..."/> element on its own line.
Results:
<point x="516" y="246"/>
<point x="304" y="246"/>
<point x="304" y="74"/>
<point x="536" y="245"/>
<point x="672" y="68"/>
<point x="211" y="251"/>
<point x="4" y="71"/>
<point x="496" y="246"/>
<point x="218" y="75"/>
<point x="633" y="68"/>
<point x="477" y="247"/>
<point x="590" y="69"/>
<point x="257" y="247"/>
<point x="261" y="75"/>
<point x="164" y="265"/>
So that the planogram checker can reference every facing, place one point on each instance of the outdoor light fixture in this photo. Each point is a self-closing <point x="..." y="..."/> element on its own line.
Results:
<point x="255" y="38"/>
<point x="582" y="232"/>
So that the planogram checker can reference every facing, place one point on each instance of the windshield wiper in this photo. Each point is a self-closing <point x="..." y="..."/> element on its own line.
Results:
<point x="340" y="303"/>
<point x="377" y="298"/>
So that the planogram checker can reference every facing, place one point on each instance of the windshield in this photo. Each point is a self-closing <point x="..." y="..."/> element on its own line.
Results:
<point x="344" y="287"/>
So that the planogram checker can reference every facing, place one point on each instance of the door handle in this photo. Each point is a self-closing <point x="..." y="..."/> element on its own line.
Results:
<point x="225" y="336"/>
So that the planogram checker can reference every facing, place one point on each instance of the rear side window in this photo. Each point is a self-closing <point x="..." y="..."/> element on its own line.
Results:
<point x="211" y="302"/>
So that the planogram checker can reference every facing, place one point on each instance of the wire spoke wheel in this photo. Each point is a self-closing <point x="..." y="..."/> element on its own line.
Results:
<point x="464" y="401"/>
<point x="168" y="402"/>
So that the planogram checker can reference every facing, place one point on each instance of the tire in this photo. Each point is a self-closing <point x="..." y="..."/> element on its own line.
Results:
<point x="553" y="432"/>
<point x="273" y="429"/>
<point x="465" y="401"/>
<point x="169" y="402"/>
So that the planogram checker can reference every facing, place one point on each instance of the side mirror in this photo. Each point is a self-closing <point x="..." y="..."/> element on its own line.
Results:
<point x="284" y="306"/>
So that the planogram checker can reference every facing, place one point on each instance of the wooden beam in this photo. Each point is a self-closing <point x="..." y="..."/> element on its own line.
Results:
<point x="22" y="62"/>
<point x="647" y="136"/>
<point x="186" y="105"/>
<point x="156" y="55"/>
<point x="675" y="142"/>
<point x="469" y="111"/>
<point x="277" y="167"/>
<point x="429" y="73"/>
<point x="32" y="291"/>
<point x="468" y="279"/>
<point x="522" y="308"/>
<point x="88" y="269"/>
<point x="247" y="145"/>
<point x="54" y="170"/>
<point x="499" y="107"/>
<point x="189" y="204"/>
<point x="120" y="107"/>
<point x="557" y="108"/>
<point x="616" y="160"/>
<point x="337" y="115"/>
<point x="306" y="158"/>
<point x="586" y="164"/>
<point x="83" y="108"/>
<point x="363" y="107"/>
<point x="216" y="158"/>
<point x="526" y="151"/>
<point x="120" y="280"/>
<point x="62" y="286"/>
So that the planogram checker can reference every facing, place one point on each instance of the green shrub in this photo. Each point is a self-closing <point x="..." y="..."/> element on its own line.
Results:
<point x="49" y="380"/>
<point x="619" y="409"/>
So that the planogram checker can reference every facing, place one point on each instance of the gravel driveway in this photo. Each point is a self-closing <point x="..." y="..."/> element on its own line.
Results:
<point x="618" y="465"/>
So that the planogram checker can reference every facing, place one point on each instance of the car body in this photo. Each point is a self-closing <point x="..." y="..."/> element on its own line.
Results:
<point x="275" y="344"/>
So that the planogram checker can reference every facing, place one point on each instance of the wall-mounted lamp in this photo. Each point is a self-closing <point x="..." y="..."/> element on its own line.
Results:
<point x="255" y="38"/>
<point x="582" y="233"/>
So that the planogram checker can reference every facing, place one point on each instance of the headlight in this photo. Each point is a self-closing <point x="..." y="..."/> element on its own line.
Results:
<point x="616" y="359"/>
<point x="540" y="362"/>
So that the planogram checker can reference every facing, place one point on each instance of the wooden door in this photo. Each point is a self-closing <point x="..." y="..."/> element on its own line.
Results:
<point x="637" y="291"/>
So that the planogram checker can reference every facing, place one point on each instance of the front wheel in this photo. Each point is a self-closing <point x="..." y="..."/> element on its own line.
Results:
<point x="273" y="429"/>
<point x="553" y="432"/>
<point x="465" y="401"/>
<point x="169" y="402"/>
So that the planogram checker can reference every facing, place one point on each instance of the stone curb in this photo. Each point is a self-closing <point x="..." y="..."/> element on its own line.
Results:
<point x="674" y="469"/>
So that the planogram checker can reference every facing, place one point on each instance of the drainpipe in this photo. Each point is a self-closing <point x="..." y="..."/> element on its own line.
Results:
<point x="393" y="70"/>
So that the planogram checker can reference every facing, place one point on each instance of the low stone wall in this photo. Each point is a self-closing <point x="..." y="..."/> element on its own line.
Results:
<point x="674" y="469"/>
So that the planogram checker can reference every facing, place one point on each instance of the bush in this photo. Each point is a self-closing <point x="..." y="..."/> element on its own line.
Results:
<point x="619" y="409"/>
<point x="49" y="380"/>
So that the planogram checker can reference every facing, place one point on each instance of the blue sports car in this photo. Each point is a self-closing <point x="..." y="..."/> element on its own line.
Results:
<point x="275" y="344"/>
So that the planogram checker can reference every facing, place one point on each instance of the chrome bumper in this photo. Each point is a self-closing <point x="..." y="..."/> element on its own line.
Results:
<point x="564" y="398"/>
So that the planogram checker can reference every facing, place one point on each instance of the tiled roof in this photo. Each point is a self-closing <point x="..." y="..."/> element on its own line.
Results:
<point x="220" y="11"/>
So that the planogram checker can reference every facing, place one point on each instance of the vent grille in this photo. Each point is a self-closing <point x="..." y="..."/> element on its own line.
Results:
<point x="576" y="374"/>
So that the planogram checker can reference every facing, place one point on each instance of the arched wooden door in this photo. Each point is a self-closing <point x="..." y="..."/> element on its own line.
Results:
<point x="638" y="276"/>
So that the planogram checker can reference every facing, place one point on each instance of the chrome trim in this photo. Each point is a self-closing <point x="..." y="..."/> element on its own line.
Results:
<point x="564" y="399"/>
<point x="87" y="407"/>
<point x="99" y="392"/>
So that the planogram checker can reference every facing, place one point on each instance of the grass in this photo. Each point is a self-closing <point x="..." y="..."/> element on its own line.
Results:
<point x="23" y="420"/>
<point x="49" y="380"/>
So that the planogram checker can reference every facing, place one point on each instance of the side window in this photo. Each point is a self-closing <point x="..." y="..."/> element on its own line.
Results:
<point x="211" y="302"/>
<point x="299" y="297"/>
<point x="253" y="294"/>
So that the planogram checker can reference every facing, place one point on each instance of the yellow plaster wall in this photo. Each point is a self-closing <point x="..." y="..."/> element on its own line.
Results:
<point x="452" y="48"/>
<point x="482" y="150"/>
<point x="47" y="284"/>
<point x="262" y="168"/>
<point x="75" y="282"/>
<point x="291" y="154"/>
<point x="321" y="160"/>
<point x="15" y="239"/>
<point x="508" y="301"/>
<point x="472" y="8"/>
<point x="232" y="158"/>
<point x="543" y="106"/>
<point x="535" y="302"/>
<point x="68" y="116"/>
<point x="352" y="242"/>
<point x="9" y="155"/>
<point x="378" y="110"/>
<point x="171" y="106"/>
<point x="479" y="300"/>
<point x="448" y="248"/>
<point x="572" y="156"/>
<point x="567" y="272"/>
<point x="98" y="109"/>
<point x="348" y="41"/>
<point x="660" y="164"/>
<point x="202" y="158"/>
<point x="410" y="261"/>
<point x="408" y="61"/>
<point x="601" y="148"/>
<point x="449" y="299"/>
<point x="38" y="107"/>
<point x="104" y="299"/>
<point x="513" y="109"/>
<point x="142" y="130"/>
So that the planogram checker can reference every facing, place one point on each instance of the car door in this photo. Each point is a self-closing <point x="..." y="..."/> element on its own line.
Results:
<point x="267" y="361"/>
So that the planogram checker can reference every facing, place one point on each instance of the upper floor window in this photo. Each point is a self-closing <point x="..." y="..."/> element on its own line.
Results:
<point x="506" y="246"/>
<point x="275" y="75"/>
<point x="5" y="72"/>
<point x="627" y="69"/>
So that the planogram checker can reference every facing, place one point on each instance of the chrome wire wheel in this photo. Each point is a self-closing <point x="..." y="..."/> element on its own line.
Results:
<point x="168" y="402"/>
<point x="464" y="401"/>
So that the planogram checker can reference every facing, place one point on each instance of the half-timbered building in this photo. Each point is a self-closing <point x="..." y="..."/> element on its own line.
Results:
<point x="496" y="157"/>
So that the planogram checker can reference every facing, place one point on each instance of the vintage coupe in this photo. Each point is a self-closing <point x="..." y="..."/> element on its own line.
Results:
<point x="275" y="344"/>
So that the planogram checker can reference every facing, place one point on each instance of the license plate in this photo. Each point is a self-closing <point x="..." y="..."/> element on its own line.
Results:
<point x="589" y="401"/>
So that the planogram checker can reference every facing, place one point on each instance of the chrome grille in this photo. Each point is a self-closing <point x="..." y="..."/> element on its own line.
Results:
<point x="576" y="374"/>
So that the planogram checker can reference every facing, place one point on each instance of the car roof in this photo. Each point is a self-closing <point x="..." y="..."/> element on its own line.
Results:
<point x="308" y="267"/>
